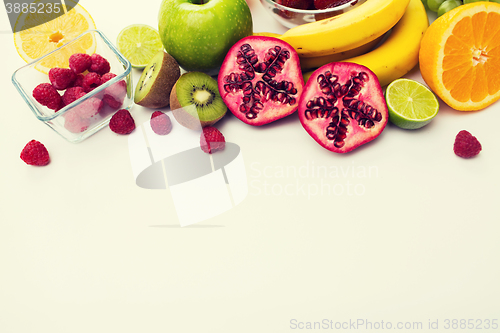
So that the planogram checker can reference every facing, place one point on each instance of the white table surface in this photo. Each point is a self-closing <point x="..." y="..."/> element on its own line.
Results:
<point x="83" y="249"/>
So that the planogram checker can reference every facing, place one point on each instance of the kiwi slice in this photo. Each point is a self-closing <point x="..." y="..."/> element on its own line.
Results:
<point x="195" y="100"/>
<point x="157" y="80"/>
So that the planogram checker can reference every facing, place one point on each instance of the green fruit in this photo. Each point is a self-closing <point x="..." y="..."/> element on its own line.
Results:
<point x="156" y="82"/>
<point x="424" y="2"/>
<point x="448" y="5"/>
<point x="434" y="4"/>
<point x="139" y="43"/>
<point x="195" y="101"/>
<point x="471" y="1"/>
<point x="198" y="33"/>
<point x="411" y="104"/>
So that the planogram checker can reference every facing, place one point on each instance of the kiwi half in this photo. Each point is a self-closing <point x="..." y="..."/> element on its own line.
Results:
<point x="195" y="100"/>
<point x="157" y="80"/>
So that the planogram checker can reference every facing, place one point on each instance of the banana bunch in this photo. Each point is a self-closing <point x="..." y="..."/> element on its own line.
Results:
<point x="347" y="31"/>
<point x="398" y="54"/>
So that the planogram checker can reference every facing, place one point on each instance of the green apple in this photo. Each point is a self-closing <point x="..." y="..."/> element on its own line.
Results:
<point x="199" y="33"/>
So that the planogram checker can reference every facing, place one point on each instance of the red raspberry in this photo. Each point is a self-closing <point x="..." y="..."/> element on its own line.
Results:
<point x="99" y="64"/>
<point x="79" y="80"/>
<point x="466" y="145"/>
<point x="35" y="153"/>
<point x="72" y="94"/>
<point x="48" y="96"/>
<point x="106" y="77"/>
<point x="89" y="108"/>
<point x="80" y="62"/>
<point x="114" y="95"/>
<point x="122" y="122"/>
<point x="91" y="81"/>
<point x="74" y="123"/>
<point x="212" y="140"/>
<point x="160" y="123"/>
<point x="61" y="78"/>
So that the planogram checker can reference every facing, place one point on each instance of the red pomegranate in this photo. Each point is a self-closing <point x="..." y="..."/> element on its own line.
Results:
<point x="343" y="107"/>
<point x="260" y="80"/>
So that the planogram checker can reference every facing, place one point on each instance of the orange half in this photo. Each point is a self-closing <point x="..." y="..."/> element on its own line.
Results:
<point x="460" y="56"/>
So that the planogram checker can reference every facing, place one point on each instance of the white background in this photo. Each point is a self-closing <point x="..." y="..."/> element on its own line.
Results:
<point x="83" y="249"/>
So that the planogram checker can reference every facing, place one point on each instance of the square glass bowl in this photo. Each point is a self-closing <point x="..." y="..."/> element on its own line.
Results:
<point x="292" y="17"/>
<point x="92" y="112"/>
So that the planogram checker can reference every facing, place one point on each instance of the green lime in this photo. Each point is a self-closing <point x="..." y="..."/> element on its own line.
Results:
<point x="139" y="43"/>
<point x="411" y="104"/>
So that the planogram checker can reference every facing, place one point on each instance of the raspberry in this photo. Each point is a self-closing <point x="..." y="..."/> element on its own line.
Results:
<point x="80" y="62"/>
<point x="106" y="77"/>
<point x="212" y="140"/>
<point x="160" y="123"/>
<point x="61" y="78"/>
<point x="122" y="122"/>
<point x="74" y="123"/>
<point x="48" y="96"/>
<point x="79" y="80"/>
<point x="466" y="145"/>
<point x="99" y="64"/>
<point x="115" y="94"/>
<point x="89" y="108"/>
<point x="35" y="153"/>
<point x="72" y="94"/>
<point x="91" y="81"/>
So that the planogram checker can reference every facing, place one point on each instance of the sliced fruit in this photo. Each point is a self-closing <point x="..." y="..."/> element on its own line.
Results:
<point x="459" y="56"/>
<point x="260" y="80"/>
<point x="195" y="101"/>
<point x="139" y="43"/>
<point x="44" y="38"/>
<point x="156" y="82"/>
<point x="411" y="104"/>
<point x="343" y="107"/>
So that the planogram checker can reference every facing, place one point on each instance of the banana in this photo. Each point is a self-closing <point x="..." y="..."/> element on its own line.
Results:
<point x="399" y="53"/>
<point x="346" y="31"/>
<point x="315" y="62"/>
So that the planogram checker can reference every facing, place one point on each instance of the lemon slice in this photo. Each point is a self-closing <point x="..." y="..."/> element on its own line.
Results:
<point x="411" y="104"/>
<point x="44" y="38"/>
<point x="139" y="43"/>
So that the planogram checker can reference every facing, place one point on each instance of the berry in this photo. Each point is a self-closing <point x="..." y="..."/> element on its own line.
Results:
<point x="160" y="123"/>
<point x="106" y="77"/>
<point x="89" y="108"/>
<point x="212" y="140"/>
<point x="466" y="145"/>
<point x="35" y="153"/>
<point x="79" y="80"/>
<point x="74" y="123"/>
<point x="115" y="94"/>
<point x="72" y="94"/>
<point x="99" y="64"/>
<point x="91" y="81"/>
<point x="122" y="122"/>
<point x="298" y="4"/>
<point x="80" y="62"/>
<point x="61" y="78"/>
<point x="48" y="96"/>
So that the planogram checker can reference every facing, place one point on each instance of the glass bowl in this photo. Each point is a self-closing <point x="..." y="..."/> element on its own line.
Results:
<point x="90" y="113"/>
<point x="291" y="17"/>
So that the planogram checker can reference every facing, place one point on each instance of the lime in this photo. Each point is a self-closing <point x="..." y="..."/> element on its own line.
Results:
<point x="139" y="43"/>
<point x="411" y="104"/>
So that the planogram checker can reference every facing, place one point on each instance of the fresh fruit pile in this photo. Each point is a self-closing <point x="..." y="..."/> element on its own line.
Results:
<point x="85" y="73"/>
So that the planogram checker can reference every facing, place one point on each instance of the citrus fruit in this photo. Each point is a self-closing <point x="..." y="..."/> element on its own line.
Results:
<point x="460" y="56"/>
<point x="411" y="104"/>
<point x="139" y="43"/>
<point x="45" y="37"/>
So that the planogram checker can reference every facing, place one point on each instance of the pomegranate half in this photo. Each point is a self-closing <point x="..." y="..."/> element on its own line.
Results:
<point x="260" y="80"/>
<point x="343" y="106"/>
